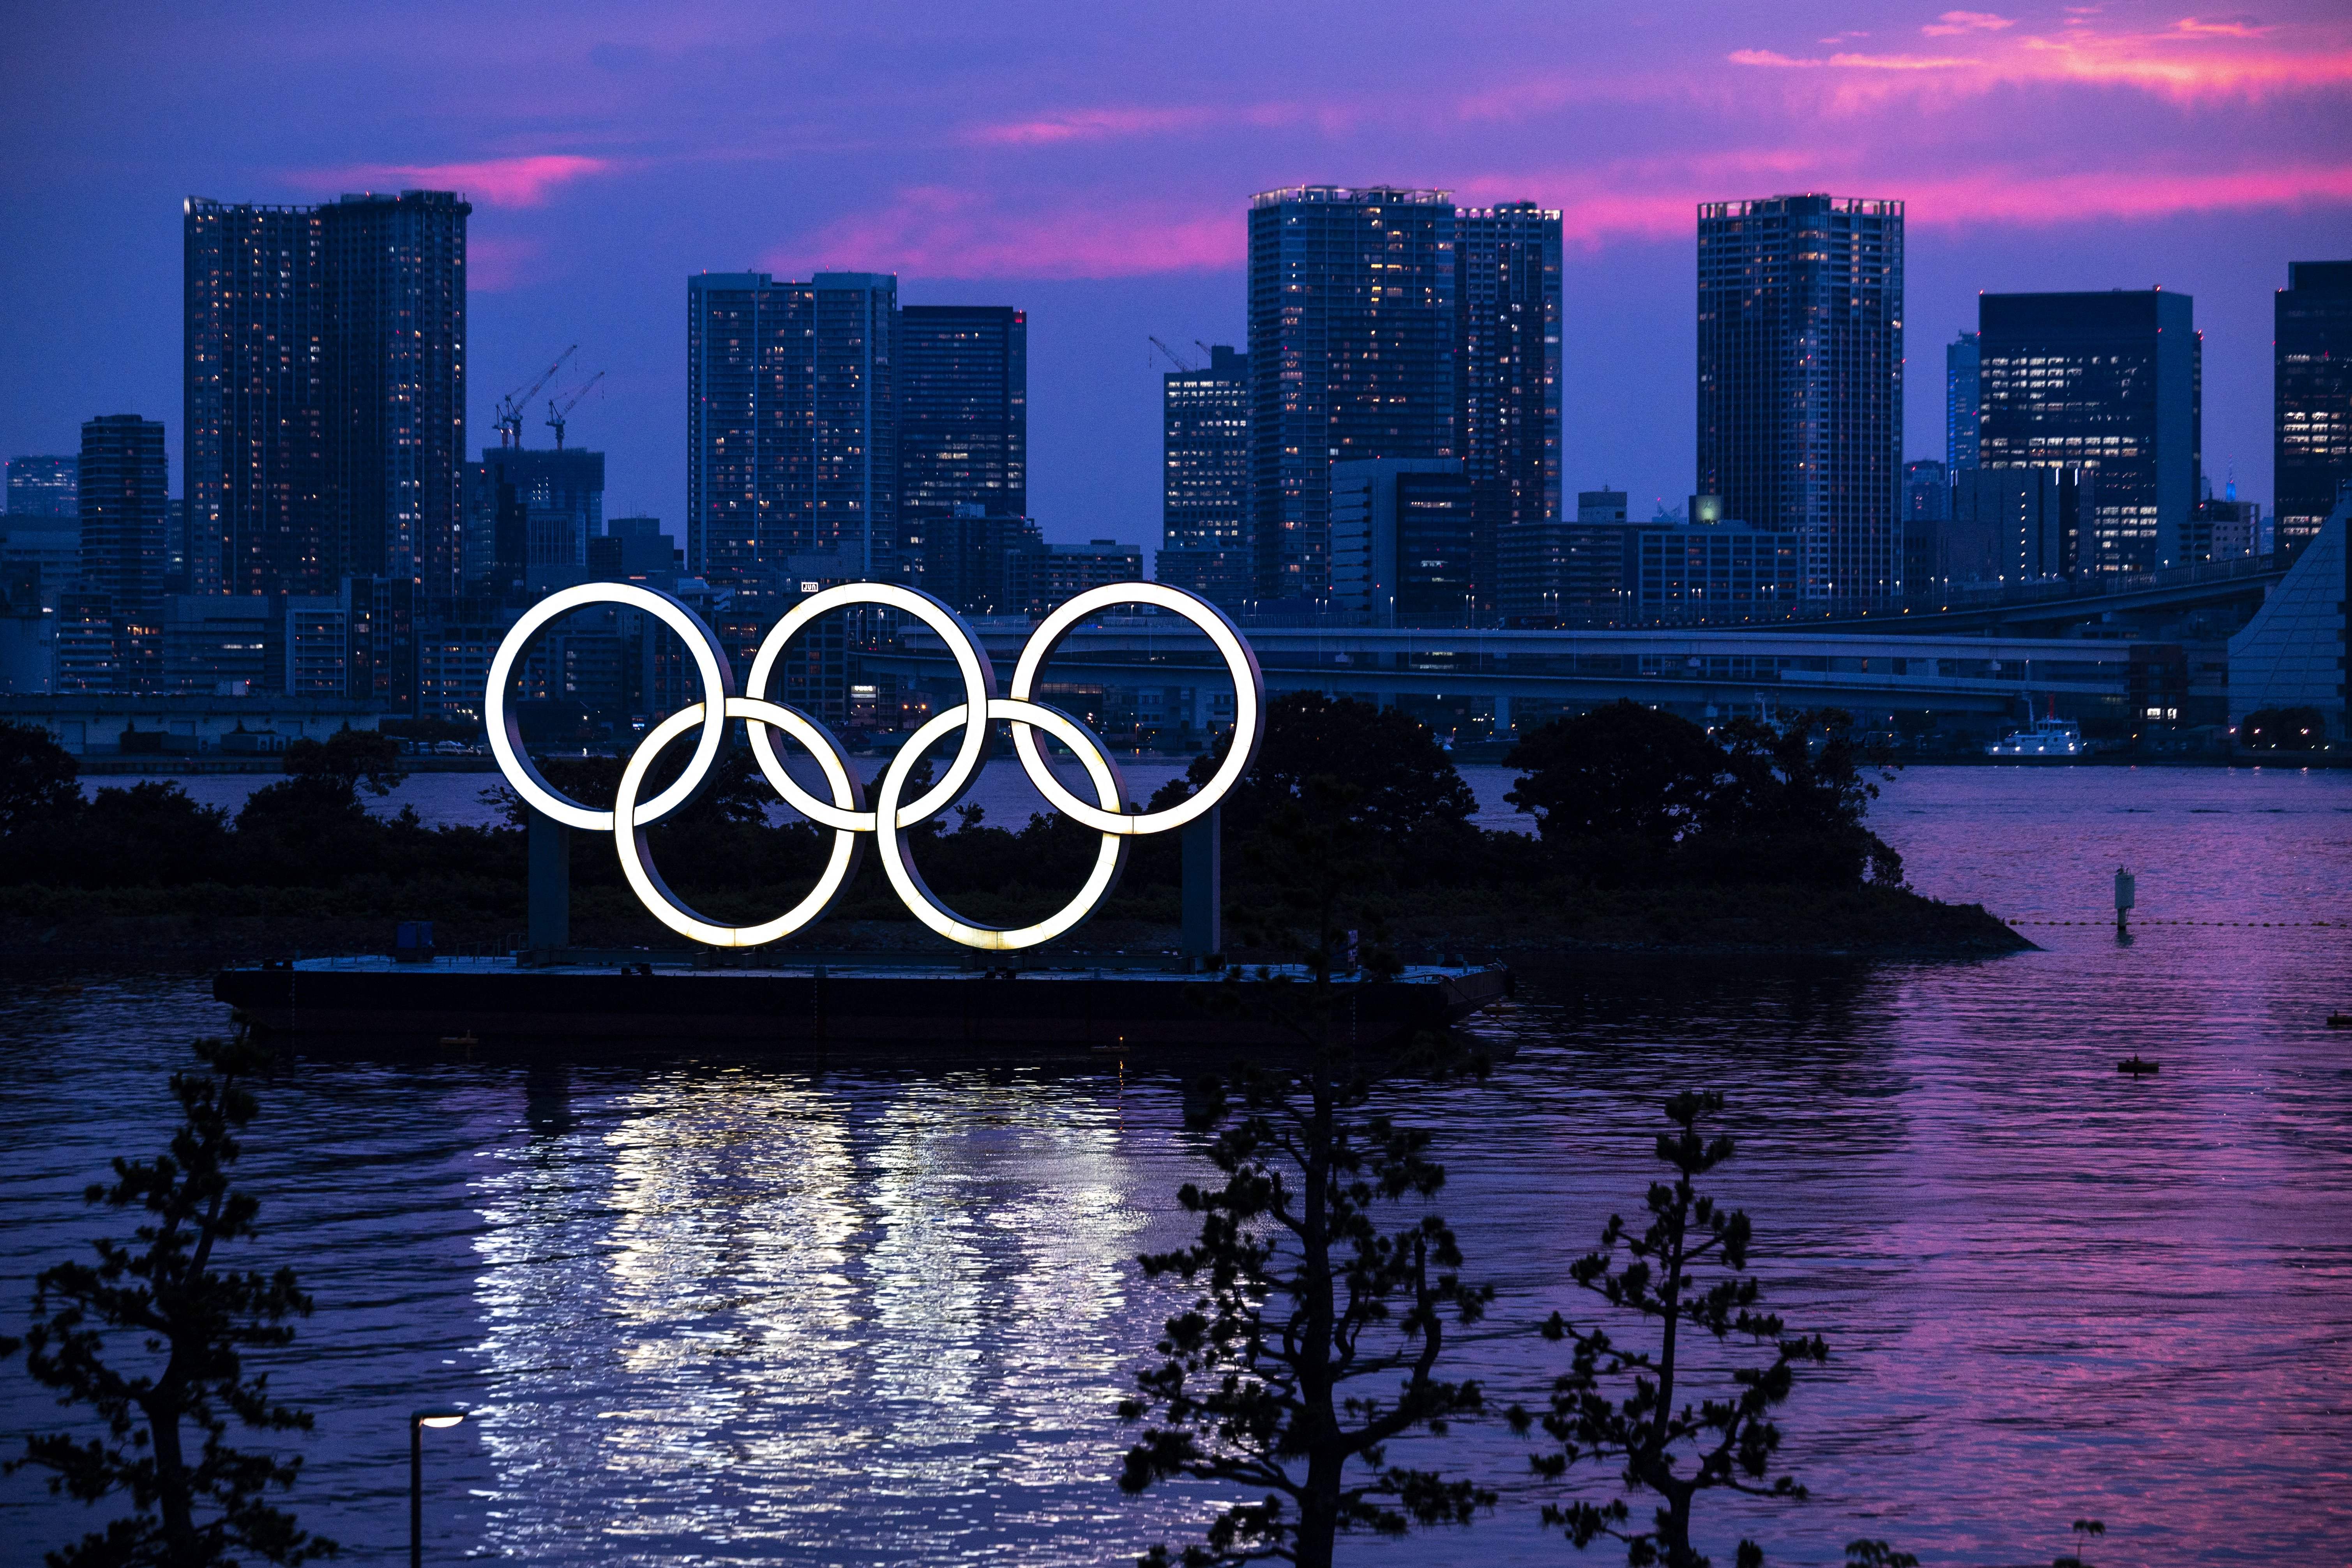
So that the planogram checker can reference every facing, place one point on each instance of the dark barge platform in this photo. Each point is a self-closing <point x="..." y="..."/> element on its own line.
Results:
<point x="494" y="1006"/>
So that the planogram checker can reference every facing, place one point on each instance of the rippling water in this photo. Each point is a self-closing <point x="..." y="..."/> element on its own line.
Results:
<point x="710" y="1312"/>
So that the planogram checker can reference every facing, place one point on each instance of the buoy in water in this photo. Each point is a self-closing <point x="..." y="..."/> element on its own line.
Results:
<point x="2135" y="1067"/>
<point x="2340" y="1020"/>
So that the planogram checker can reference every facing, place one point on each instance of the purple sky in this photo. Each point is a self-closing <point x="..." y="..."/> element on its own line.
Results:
<point x="1091" y="163"/>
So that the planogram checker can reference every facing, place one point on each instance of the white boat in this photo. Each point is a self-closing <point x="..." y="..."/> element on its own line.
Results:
<point x="2048" y="738"/>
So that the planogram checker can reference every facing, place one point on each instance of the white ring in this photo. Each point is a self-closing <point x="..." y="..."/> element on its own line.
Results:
<point x="1249" y="704"/>
<point x="506" y="735"/>
<point x="647" y="881"/>
<point x="845" y="814"/>
<point x="908" y="882"/>
<point x="972" y="662"/>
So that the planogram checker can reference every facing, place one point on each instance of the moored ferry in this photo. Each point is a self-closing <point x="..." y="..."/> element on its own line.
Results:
<point x="2048" y="738"/>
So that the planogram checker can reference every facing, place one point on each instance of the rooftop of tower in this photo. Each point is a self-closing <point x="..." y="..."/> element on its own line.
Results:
<point x="1376" y="196"/>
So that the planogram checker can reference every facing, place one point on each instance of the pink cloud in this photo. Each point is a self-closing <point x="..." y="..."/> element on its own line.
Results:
<point x="1651" y="199"/>
<point x="940" y="232"/>
<point x="1085" y="125"/>
<point x="1953" y="23"/>
<point x="1995" y="195"/>
<point x="1850" y="61"/>
<point x="936" y="232"/>
<point x="1123" y="120"/>
<point x="2220" y="28"/>
<point x="524" y="182"/>
<point x="2195" y="58"/>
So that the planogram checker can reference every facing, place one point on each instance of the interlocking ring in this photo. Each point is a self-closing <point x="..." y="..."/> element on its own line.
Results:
<point x="845" y="814"/>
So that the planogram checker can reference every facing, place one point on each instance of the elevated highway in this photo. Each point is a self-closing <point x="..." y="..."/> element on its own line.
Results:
<point x="1701" y="672"/>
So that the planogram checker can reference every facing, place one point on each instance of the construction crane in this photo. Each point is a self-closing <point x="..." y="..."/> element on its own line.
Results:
<point x="511" y="406"/>
<point x="560" y="405"/>
<point x="1173" y="358"/>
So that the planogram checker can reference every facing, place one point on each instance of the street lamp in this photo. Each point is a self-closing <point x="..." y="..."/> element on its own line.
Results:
<point x="435" y="1416"/>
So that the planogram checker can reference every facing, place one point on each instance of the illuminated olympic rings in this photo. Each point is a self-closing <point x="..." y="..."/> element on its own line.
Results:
<point x="843" y="809"/>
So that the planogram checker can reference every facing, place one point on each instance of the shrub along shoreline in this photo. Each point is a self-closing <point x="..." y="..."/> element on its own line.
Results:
<point x="1652" y="834"/>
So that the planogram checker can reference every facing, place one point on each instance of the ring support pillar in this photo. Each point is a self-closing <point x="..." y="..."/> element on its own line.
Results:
<point x="551" y="881"/>
<point x="1204" y="893"/>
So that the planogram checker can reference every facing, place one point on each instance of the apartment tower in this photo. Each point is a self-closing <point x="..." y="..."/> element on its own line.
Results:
<point x="2312" y="342"/>
<point x="1352" y="357"/>
<point x="1800" y="380"/>
<point x="2106" y="383"/>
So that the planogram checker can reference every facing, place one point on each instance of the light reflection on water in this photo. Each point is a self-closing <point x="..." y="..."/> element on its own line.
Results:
<point x="711" y="1312"/>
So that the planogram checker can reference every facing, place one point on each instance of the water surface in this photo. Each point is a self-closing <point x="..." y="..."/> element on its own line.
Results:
<point x="711" y="1312"/>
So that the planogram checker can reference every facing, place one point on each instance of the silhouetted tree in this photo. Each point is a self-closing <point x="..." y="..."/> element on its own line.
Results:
<point x="1408" y="794"/>
<point x="1800" y="791"/>
<point x="37" y="783"/>
<point x="2084" y="1529"/>
<point x="1877" y="1554"/>
<point x="191" y="1323"/>
<point x="1633" y="1406"/>
<point x="357" y="757"/>
<point x="1315" y="1337"/>
<point x="150" y="833"/>
<point x="1622" y="771"/>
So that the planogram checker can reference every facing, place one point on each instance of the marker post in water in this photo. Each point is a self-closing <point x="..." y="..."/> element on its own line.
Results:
<point x="2126" y="895"/>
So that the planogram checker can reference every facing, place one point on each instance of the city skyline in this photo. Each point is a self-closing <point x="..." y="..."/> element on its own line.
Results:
<point x="2218" y="162"/>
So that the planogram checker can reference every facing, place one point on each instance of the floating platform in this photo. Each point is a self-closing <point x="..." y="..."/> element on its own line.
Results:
<point x="372" y="1005"/>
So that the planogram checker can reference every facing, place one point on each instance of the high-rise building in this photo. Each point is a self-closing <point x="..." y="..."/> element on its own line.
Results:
<point x="1927" y="507"/>
<point x="395" y="385"/>
<point x="1716" y="572"/>
<point x="1352" y="357"/>
<point x="123" y="481"/>
<point x="530" y="515"/>
<point x="1564" y="573"/>
<point x="856" y="444"/>
<point x="253" y="434"/>
<point x="2107" y="383"/>
<point x="2007" y="525"/>
<point x="1800" y="379"/>
<point x="1205" y="426"/>
<point x="978" y="560"/>
<point x="325" y="381"/>
<point x="963" y="409"/>
<point x="2312" y="342"/>
<point x="43" y="487"/>
<point x="1404" y="541"/>
<point x="1963" y="401"/>
<point x="1205" y="478"/>
<point x="792" y="422"/>
<point x="1506" y="369"/>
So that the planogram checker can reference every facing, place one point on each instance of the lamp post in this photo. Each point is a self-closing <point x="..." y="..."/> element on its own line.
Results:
<point x="435" y="1416"/>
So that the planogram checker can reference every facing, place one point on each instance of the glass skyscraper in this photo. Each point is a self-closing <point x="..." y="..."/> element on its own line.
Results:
<point x="2313" y="345"/>
<point x="394" y="377"/>
<point x="2107" y="383"/>
<point x="254" y="431"/>
<point x="123" y="485"/>
<point x="1506" y="302"/>
<point x="1800" y="380"/>
<point x="1963" y="402"/>
<point x="1352" y="357"/>
<point x="963" y="409"/>
<point x="325" y="392"/>
<point x="792" y="422"/>
<point x="1205" y="478"/>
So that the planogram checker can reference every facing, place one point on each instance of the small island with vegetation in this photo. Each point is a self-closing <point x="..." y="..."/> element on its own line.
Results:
<point x="1649" y="834"/>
